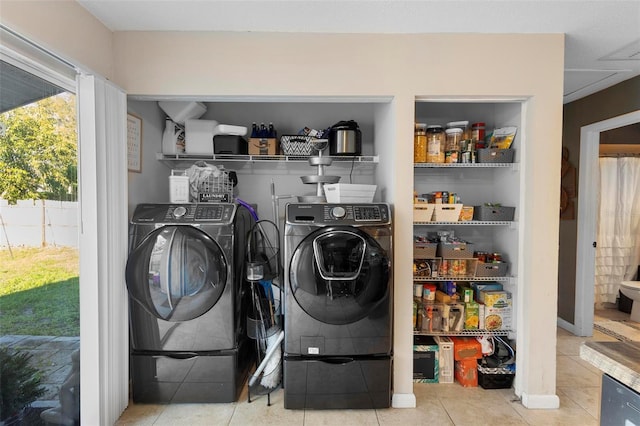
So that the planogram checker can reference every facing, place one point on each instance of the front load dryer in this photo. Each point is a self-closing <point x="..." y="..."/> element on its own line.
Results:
<point x="338" y="306"/>
<point x="187" y="302"/>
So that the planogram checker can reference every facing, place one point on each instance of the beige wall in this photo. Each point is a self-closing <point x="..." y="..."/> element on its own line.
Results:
<point x="63" y="27"/>
<point x="612" y="102"/>
<point x="401" y="66"/>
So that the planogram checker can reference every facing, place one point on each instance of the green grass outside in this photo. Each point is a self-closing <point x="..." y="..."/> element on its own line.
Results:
<point x="39" y="291"/>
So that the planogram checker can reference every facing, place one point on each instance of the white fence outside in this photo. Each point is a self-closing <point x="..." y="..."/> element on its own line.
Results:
<point x="39" y="223"/>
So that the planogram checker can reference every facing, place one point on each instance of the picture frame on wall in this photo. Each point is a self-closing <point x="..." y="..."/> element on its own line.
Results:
<point x="134" y="143"/>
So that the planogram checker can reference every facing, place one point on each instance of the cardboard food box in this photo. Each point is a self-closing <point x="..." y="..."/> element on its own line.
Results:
<point x="466" y="372"/>
<point x="471" y="316"/>
<point x="425" y="359"/>
<point x="263" y="146"/>
<point x="484" y="285"/>
<point x="497" y="318"/>
<point x="448" y="287"/>
<point x="466" y="293"/>
<point x="466" y="347"/>
<point x="495" y="298"/>
<point x="466" y="213"/>
<point x="442" y="297"/>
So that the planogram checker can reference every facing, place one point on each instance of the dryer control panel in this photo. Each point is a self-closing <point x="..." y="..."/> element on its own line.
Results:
<point x="222" y="213"/>
<point x="339" y="214"/>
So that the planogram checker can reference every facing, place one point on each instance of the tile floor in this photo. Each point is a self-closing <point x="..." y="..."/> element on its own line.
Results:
<point x="577" y="381"/>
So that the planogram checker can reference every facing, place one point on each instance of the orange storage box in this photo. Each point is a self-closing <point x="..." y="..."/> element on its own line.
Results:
<point x="466" y="372"/>
<point x="466" y="348"/>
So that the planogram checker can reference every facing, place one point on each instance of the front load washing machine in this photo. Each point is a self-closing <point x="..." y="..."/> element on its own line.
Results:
<point x="338" y="306"/>
<point x="187" y="302"/>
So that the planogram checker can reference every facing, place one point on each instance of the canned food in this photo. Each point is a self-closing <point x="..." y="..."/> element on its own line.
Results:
<point x="451" y="157"/>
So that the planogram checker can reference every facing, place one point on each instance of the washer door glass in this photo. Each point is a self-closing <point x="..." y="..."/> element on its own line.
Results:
<point x="338" y="275"/>
<point x="177" y="273"/>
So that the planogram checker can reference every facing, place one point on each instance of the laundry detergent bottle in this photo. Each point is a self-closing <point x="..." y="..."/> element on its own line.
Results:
<point x="170" y="138"/>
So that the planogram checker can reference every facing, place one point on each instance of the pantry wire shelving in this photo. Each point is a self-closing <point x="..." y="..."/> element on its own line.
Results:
<point x="264" y="158"/>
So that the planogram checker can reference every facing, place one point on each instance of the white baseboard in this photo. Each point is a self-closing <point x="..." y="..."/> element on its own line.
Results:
<point x="540" y="402"/>
<point x="403" y="400"/>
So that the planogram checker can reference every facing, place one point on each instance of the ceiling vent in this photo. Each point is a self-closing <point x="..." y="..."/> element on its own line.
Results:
<point x="630" y="52"/>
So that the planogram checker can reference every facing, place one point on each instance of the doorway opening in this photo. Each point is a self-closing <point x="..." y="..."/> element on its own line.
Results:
<point x="587" y="218"/>
<point x="39" y="284"/>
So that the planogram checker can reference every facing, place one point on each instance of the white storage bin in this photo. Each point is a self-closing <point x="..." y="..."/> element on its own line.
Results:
<point x="349" y="193"/>
<point x="198" y="137"/>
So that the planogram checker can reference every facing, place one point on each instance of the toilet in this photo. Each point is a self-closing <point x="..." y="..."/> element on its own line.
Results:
<point x="631" y="289"/>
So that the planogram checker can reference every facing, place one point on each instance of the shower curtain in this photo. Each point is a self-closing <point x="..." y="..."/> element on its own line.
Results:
<point x="618" y="237"/>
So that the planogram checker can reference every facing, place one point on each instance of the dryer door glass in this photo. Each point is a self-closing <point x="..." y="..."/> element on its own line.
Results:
<point x="177" y="273"/>
<point x="339" y="275"/>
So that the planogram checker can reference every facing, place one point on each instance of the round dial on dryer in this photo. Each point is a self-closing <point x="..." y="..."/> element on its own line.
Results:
<point x="179" y="211"/>
<point x="338" y="212"/>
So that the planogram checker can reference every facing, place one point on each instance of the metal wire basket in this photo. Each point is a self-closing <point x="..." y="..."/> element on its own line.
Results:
<point x="215" y="189"/>
<point x="209" y="183"/>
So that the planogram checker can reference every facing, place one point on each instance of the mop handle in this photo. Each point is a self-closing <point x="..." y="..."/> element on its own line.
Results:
<point x="268" y="355"/>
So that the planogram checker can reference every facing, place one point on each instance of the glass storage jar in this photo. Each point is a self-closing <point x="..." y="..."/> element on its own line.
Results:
<point x="435" y="144"/>
<point x="463" y="125"/>
<point x="453" y="138"/>
<point x="420" y="143"/>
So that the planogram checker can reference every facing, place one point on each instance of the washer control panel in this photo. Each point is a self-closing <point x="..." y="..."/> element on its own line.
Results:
<point x="338" y="214"/>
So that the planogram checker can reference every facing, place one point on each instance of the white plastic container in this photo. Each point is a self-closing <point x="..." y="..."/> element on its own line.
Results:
<point x="178" y="188"/>
<point x="198" y="137"/>
<point x="349" y="193"/>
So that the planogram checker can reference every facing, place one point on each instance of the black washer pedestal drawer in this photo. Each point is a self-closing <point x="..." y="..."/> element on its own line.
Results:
<point x="337" y="383"/>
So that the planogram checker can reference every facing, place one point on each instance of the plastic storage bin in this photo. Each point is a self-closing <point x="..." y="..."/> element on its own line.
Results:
<point x="495" y="378"/>
<point x="493" y="213"/>
<point x="424" y="250"/>
<point x="349" y="193"/>
<point x="459" y="250"/>
<point x="494" y="155"/>
<point x="491" y="269"/>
